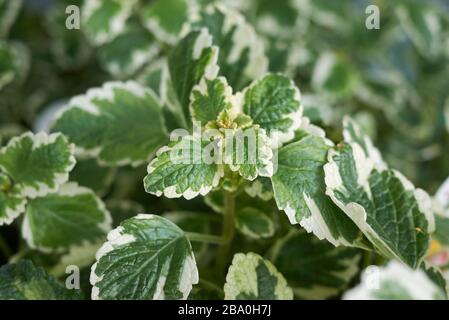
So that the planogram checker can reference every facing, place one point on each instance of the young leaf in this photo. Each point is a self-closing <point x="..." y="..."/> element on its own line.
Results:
<point x="393" y="215"/>
<point x="121" y="123"/>
<point x="37" y="163"/>
<point x="102" y="21"/>
<point x="191" y="59"/>
<point x="181" y="170"/>
<point x="314" y="269"/>
<point x="209" y="98"/>
<point x="274" y="103"/>
<point x="24" y="281"/>
<point x="69" y="217"/>
<point x="241" y="57"/>
<point x="128" y="52"/>
<point x="8" y="13"/>
<point x="165" y="18"/>
<point x="254" y="223"/>
<point x="250" y="277"/>
<point x="395" y="282"/>
<point x="249" y="152"/>
<point x="147" y="257"/>
<point x="299" y="190"/>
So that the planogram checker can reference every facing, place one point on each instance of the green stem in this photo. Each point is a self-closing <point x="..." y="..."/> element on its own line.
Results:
<point x="207" y="238"/>
<point x="228" y="230"/>
<point x="4" y="248"/>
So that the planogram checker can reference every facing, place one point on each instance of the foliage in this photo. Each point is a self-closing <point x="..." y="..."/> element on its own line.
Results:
<point x="186" y="149"/>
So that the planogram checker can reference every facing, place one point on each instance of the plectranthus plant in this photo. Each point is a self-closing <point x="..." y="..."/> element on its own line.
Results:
<point x="187" y="149"/>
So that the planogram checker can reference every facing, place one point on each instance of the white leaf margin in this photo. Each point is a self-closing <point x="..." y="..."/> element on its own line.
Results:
<point x="70" y="189"/>
<point x="116" y="25"/>
<point x="39" y="140"/>
<point x="188" y="194"/>
<point x="416" y="282"/>
<point x="105" y="92"/>
<point x="117" y="238"/>
<point x="278" y="137"/>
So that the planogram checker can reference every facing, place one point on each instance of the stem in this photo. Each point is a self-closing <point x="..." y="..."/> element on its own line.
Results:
<point x="4" y="248"/>
<point x="200" y="237"/>
<point x="228" y="230"/>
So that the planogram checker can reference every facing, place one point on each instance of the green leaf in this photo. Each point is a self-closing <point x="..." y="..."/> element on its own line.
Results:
<point x="395" y="282"/>
<point x="274" y="103"/>
<point x="37" y="163"/>
<point x="147" y="257"/>
<point x="191" y="59"/>
<point x="250" y="277"/>
<point x="181" y="169"/>
<point x="120" y="123"/>
<point x="241" y="57"/>
<point x="165" y="18"/>
<point x="69" y="217"/>
<point x="209" y="98"/>
<point x="299" y="190"/>
<point x="395" y="217"/>
<point x="254" y="223"/>
<point x="24" y="281"/>
<point x="128" y="52"/>
<point x="314" y="269"/>
<point x="249" y="152"/>
<point x="8" y="13"/>
<point x="102" y="21"/>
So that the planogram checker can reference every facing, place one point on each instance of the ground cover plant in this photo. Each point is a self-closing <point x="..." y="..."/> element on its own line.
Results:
<point x="198" y="149"/>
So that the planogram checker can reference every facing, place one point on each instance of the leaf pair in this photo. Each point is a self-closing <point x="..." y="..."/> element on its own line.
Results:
<point x="34" y="170"/>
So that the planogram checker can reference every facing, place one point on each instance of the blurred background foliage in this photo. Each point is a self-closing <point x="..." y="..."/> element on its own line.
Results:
<point x="393" y="80"/>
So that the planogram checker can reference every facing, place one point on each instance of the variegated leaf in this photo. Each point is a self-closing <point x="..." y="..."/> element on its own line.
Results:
<point x="146" y="257"/>
<point x="251" y="277"/>
<point x="396" y="217"/>
<point x="121" y="123"/>
<point x="182" y="169"/>
<point x="72" y="216"/>
<point x="314" y="269"/>
<point x="300" y="191"/>
<point x="395" y="282"/>
<point x="274" y="103"/>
